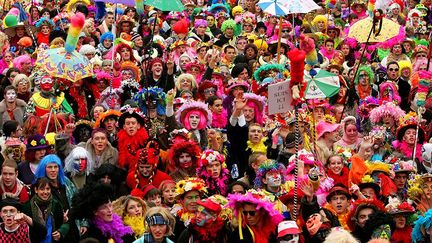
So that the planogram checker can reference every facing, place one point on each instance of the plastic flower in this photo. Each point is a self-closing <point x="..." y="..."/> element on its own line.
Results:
<point x="33" y="143"/>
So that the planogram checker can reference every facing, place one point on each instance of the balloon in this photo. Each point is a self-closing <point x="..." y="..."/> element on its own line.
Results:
<point x="14" y="12"/>
<point x="312" y="72"/>
<point x="10" y="21"/>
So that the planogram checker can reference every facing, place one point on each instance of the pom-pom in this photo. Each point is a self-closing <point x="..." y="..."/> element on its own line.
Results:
<point x="181" y="27"/>
<point x="10" y="21"/>
<point x="77" y="24"/>
<point x="297" y="58"/>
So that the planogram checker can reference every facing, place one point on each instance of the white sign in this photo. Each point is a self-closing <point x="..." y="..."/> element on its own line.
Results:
<point x="279" y="98"/>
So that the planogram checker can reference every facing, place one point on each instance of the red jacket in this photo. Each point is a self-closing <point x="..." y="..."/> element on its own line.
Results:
<point x="342" y="178"/>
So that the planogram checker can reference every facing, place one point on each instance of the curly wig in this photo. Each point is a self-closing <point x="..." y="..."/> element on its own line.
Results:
<point x="368" y="71"/>
<point x="189" y="147"/>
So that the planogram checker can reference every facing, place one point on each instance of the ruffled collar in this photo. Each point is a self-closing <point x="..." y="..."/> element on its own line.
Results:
<point x="45" y="103"/>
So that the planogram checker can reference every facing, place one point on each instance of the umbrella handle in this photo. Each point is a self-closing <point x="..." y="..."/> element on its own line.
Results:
<point x="364" y="49"/>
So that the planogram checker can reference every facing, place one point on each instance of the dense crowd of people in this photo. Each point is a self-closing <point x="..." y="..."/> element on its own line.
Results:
<point x="160" y="130"/>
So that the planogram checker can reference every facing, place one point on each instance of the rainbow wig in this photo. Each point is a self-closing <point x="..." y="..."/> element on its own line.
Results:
<point x="269" y="166"/>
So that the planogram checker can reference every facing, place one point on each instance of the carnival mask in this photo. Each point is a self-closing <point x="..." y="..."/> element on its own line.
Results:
<point x="314" y="223"/>
<point x="14" y="152"/>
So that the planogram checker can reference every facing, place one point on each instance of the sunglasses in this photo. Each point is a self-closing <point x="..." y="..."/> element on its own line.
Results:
<point x="251" y="213"/>
<point x="285" y="31"/>
<point x="393" y="69"/>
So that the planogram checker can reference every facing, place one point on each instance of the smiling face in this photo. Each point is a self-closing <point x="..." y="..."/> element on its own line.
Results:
<point x="336" y="164"/>
<point x="43" y="192"/>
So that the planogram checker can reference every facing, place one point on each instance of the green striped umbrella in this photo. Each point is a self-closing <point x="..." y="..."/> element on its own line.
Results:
<point x="322" y="85"/>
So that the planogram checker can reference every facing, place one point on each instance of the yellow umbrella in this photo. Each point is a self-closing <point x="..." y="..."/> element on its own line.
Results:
<point x="360" y="30"/>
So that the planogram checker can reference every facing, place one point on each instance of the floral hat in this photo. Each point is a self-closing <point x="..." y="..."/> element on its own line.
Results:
<point x="190" y="184"/>
<point x="403" y="166"/>
<point x="407" y="122"/>
<point x="129" y="111"/>
<point x="395" y="206"/>
<point x="415" y="190"/>
<point x="36" y="142"/>
<point x="209" y="156"/>
<point x="386" y="109"/>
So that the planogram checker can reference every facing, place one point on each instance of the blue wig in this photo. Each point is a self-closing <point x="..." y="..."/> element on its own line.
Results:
<point x="154" y="95"/>
<point x="422" y="222"/>
<point x="41" y="169"/>
<point x="107" y="35"/>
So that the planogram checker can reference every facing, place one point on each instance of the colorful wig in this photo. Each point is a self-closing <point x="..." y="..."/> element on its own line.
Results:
<point x="41" y="169"/>
<point x="369" y="72"/>
<point x="189" y="147"/>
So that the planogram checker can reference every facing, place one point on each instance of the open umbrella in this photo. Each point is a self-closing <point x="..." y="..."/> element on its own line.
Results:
<point x="300" y="6"/>
<point x="323" y="85"/>
<point x="62" y="64"/>
<point x="360" y="30"/>
<point x="66" y="62"/>
<point x="166" y="5"/>
<point x="130" y="3"/>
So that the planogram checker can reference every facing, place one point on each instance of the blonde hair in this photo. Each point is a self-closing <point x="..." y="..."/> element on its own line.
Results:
<point x="57" y="42"/>
<point x="167" y="217"/>
<point x="338" y="234"/>
<point x="21" y="77"/>
<point x="187" y="76"/>
<point x="87" y="24"/>
<point x="120" y="205"/>
<point x="3" y="39"/>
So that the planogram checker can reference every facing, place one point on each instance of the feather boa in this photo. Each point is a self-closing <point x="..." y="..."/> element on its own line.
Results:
<point x="216" y="185"/>
<point x="423" y="222"/>
<point x="219" y="120"/>
<point x="343" y="217"/>
<point x="136" y="223"/>
<point x="126" y="159"/>
<point x="341" y="178"/>
<point x="80" y="99"/>
<point x="402" y="235"/>
<point x="260" y="147"/>
<point x="327" y="54"/>
<point x="210" y="232"/>
<point x="114" y="229"/>
<point x="406" y="150"/>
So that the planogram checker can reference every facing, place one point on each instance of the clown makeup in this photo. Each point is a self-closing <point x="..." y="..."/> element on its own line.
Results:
<point x="214" y="169"/>
<point x="185" y="160"/>
<point x="382" y="232"/>
<point x="10" y="96"/>
<point x="203" y="217"/>
<point x="46" y="84"/>
<point x="127" y="74"/>
<point x="194" y="120"/>
<point x="336" y="164"/>
<point x="273" y="179"/>
<point x="289" y="239"/>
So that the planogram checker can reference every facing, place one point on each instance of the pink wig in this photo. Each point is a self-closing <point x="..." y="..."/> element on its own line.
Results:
<point x="258" y="114"/>
<point x="393" y="95"/>
<point x="419" y="63"/>
<point x="202" y="117"/>
<point x="18" y="61"/>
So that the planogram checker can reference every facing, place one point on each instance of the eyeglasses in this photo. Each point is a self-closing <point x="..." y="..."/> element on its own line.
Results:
<point x="251" y="213"/>
<point x="285" y="31"/>
<point x="393" y="69"/>
<point x="421" y="55"/>
<point x="210" y="91"/>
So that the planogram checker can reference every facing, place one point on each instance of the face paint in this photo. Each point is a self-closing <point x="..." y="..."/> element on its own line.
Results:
<point x="11" y="95"/>
<point x="203" y="217"/>
<point x="46" y="84"/>
<point x="274" y="179"/>
<point x="185" y="160"/>
<point x="290" y="239"/>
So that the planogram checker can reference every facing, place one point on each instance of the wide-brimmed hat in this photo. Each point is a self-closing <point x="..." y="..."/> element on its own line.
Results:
<point x="324" y="127"/>
<point x="194" y="105"/>
<point x="190" y="184"/>
<point x="235" y="82"/>
<point x="259" y="100"/>
<point x="36" y="142"/>
<point x="129" y="111"/>
<point x="407" y="122"/>
<point x="11" y="30"/>
<point x="210" y="205"/>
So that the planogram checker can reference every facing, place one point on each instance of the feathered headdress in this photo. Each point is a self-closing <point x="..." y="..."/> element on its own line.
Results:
<point x="153" y="97"/>
<point x="386" y="109"/>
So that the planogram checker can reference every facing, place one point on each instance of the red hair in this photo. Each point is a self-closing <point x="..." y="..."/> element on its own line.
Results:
<point x="202" y="123"/>
<point x="123" y="45"/>
<point x="189" y="147"/>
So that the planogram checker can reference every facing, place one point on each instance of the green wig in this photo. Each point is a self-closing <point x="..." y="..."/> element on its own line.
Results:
<point x="230" y="23"/>
<point x="368" y="70"/>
